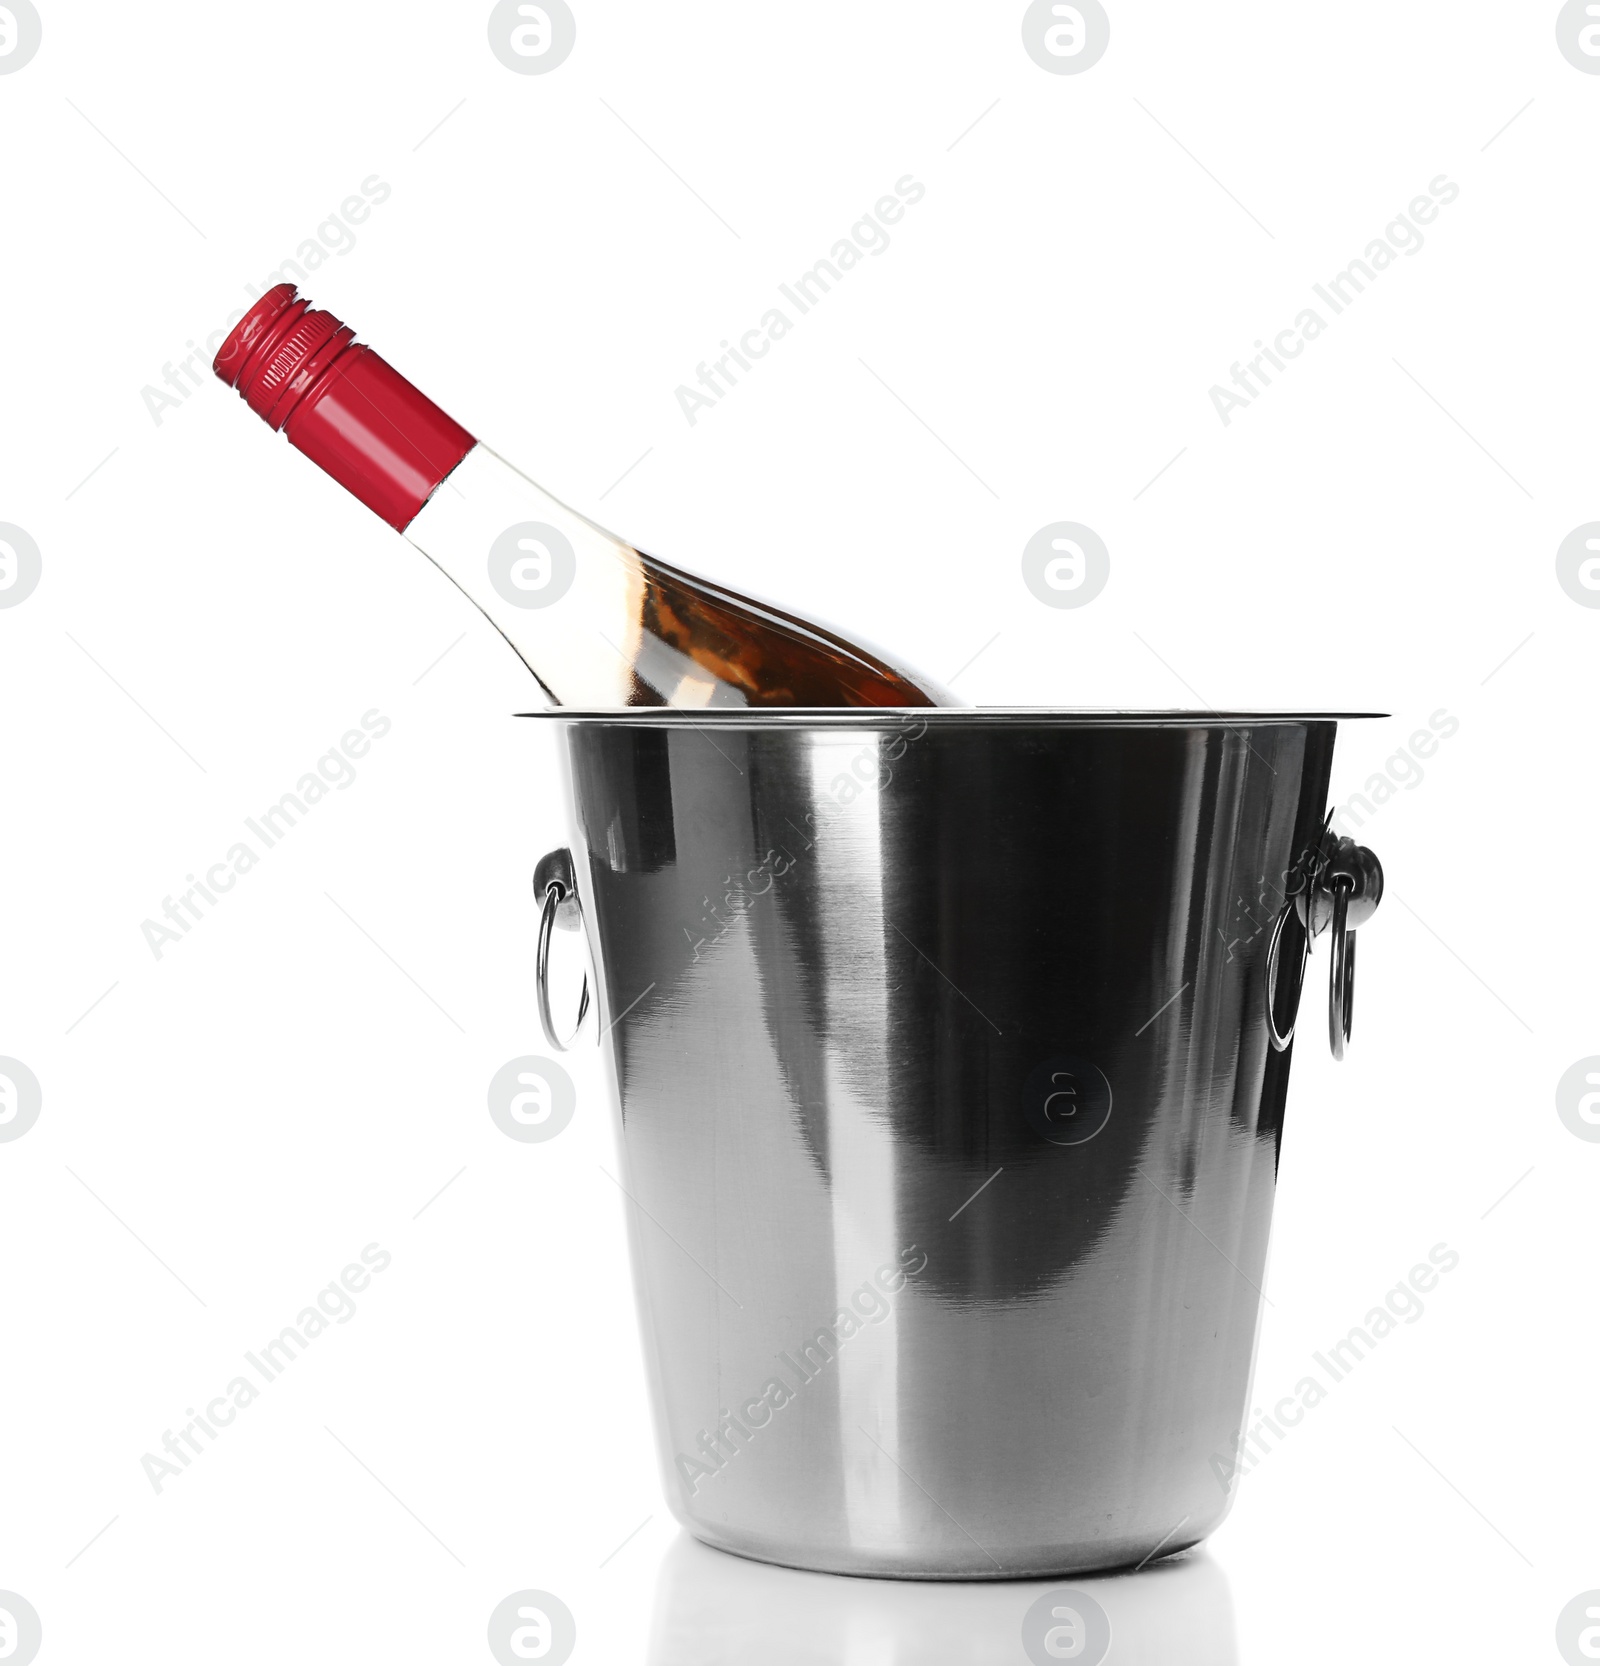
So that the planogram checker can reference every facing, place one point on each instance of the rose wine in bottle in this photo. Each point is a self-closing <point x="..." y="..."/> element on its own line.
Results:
<point x="596" y="621"/>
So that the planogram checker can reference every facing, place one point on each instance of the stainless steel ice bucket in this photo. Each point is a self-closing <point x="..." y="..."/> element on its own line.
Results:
<point x="950" y="1111"/>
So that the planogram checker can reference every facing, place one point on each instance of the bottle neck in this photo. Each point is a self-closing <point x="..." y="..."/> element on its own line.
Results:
<point x="565" y="594"/>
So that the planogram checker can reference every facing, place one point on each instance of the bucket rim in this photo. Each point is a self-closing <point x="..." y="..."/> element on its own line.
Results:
<point x="944" y="717"/>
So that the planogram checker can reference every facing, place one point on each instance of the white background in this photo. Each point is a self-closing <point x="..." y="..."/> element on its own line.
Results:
<point x="230" y="1124"/>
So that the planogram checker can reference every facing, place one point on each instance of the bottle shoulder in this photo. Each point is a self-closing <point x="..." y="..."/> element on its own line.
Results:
<point x="600" y="622"/>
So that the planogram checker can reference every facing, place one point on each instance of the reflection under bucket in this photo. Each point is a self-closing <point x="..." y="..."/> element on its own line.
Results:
<point x="716" y="1610"/>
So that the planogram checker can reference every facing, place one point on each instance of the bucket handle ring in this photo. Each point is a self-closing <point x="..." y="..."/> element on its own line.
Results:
<point x="1342" y="973"/>
<point x="553" y="882"/>
<point x="1281" y="1038"/>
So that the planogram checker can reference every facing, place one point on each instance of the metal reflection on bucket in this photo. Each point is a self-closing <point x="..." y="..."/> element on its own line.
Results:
<point x="964" y="928"/>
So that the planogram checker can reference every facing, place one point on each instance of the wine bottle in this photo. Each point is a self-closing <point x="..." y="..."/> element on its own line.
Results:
<point x="596" y="621"/>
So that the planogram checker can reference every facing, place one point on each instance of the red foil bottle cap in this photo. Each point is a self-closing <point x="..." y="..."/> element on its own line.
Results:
<point x="353" y="415"/>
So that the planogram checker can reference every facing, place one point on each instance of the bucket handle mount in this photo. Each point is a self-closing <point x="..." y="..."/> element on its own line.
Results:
<point x="1337" y="885"/>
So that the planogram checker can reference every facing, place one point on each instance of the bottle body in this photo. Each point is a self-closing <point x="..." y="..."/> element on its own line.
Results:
<point x="597" y="622"/>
